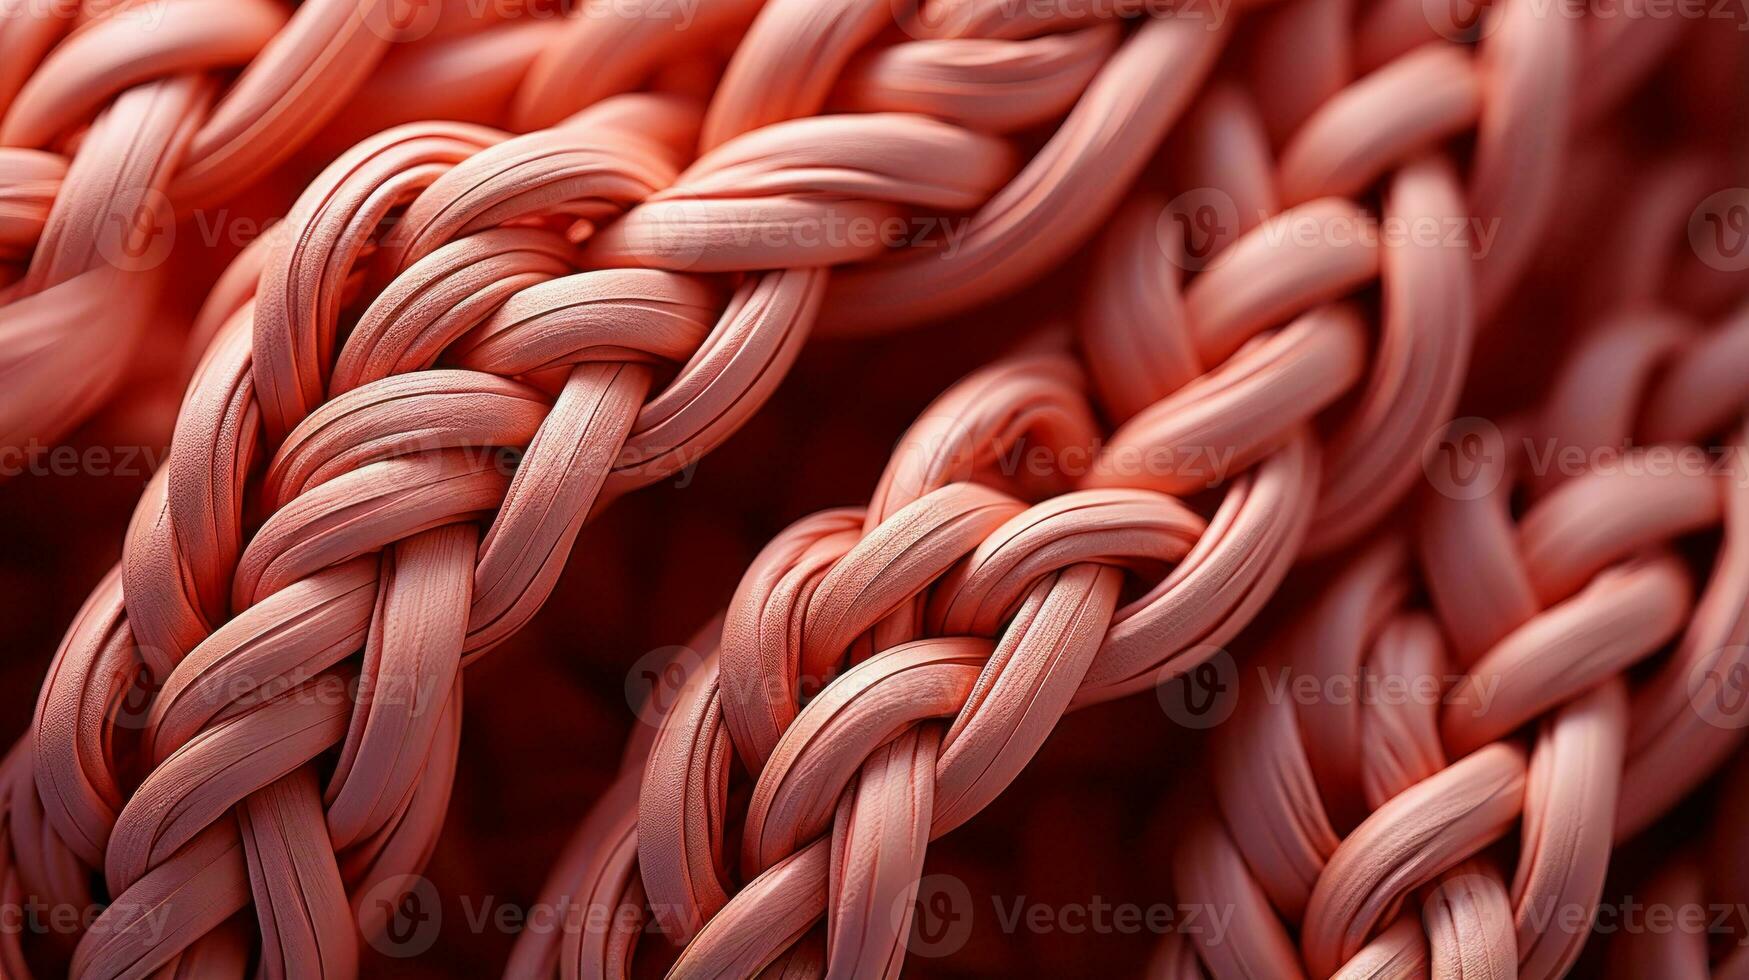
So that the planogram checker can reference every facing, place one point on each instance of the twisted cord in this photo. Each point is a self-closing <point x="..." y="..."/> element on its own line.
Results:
<point x="1699" y="880"/>
<point x="601" y="300"/>
<point x="411" y="401"/>
<point x="1335" y="815"/>
<point x="112" y="123"/>
<point x="884" y="672"/>
<point x="1288" y="236"/>
<point x="159" y="145"/>
<point x="948" y="627"/>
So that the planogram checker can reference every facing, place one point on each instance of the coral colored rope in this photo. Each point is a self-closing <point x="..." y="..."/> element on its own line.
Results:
<point x="552" y="254"/>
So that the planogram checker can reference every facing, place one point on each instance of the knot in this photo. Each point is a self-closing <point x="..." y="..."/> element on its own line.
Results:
<point x="886" y="673"/>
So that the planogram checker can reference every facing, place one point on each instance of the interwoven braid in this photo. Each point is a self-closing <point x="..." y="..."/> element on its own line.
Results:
<point x="1367" y="824"/>
<point x="1705" y="885"/>
<point x="883" y="673"/>
<point x="462" y="343"/>
<point x="336" y="483"/>
<point x="112" y="122"/>
<point x="88" y="210"/>
<point x="935" y="639"/>
<point x="1287" y="239"/>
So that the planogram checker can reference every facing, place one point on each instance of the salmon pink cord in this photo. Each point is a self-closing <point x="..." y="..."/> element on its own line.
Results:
<point x="537" y="256"/>
<point x="115" y="119"/>
<point x="884" y="672"/>
<point x="459" y="344"/>
<point x="1572" y="666"/>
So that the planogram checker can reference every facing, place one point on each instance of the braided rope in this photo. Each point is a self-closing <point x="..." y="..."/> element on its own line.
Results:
<point x="857" y="634"/>
<point x="214" y="669"/>
<point x="883" y="673"/>
<point x="1694" y="885"/>
<point x="99" y="218"/>
<point x="112" y="124"/>
<point x="1337" y="814"/>
<point x="462" y="343"/>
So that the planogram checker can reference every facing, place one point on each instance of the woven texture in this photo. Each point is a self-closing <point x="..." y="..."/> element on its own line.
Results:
<point x="1356" y="388"/>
